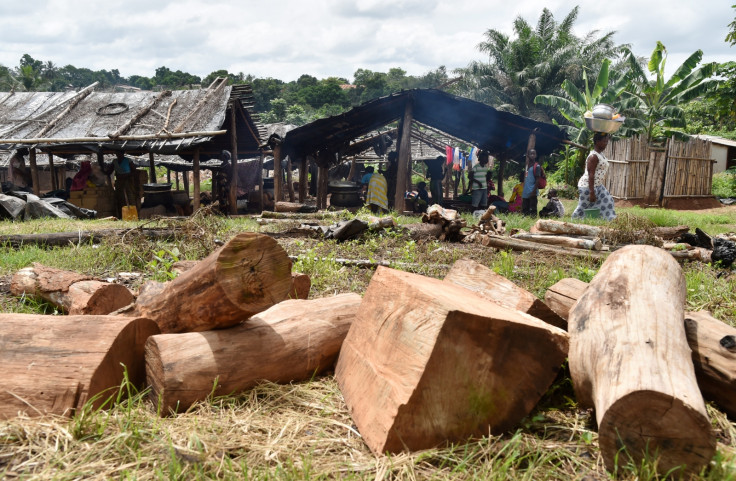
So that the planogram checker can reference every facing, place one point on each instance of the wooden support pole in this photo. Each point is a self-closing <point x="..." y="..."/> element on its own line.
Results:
<point x="54" y="179"/>
<point x="195" y="168"/>
<point x="185" y="181"/>
<point x="151" y="168"/>
<point x="289" y="180"/>
<point x="322" y="176"/>
<point x="34" y="172"/>
<point x="260" y="179"/>
<point x="233" y="194"/>
<point x="303" y="179"/>
<point x="403" y="174"/>
<point x="277" y="174"/>
<point x="499" y="180"/>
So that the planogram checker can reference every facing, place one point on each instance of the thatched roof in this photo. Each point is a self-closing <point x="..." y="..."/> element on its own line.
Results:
<point x="169" y="122"/>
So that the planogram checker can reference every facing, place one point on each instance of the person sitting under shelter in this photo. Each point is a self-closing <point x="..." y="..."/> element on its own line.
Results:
<point x="554" y="207"/>
<point x="20" y="175"/>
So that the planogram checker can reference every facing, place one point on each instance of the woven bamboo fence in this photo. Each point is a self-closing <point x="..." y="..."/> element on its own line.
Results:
<point x="627" y="171"/>
<point x="689" y="171"/>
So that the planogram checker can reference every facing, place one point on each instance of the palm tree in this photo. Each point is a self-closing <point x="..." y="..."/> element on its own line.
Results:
<point x="658" y="102"/>
<point x="534" y="63"/>
<point x="573" y="105"/>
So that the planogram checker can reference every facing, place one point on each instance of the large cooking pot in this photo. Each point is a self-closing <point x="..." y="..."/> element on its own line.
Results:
<point x="164" y="187"/>
<point x="344" y="194"/>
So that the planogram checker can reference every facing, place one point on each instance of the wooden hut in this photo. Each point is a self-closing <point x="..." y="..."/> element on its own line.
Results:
<point x="504" y="135"/>
<point x="195" y="125"/>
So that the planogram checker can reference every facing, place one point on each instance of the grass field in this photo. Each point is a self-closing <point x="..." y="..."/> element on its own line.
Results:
<point x="303" y="430"/>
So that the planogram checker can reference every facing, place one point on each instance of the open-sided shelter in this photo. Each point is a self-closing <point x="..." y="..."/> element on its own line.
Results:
<point x="502" y="134"/>
<point x="193" y="124"/>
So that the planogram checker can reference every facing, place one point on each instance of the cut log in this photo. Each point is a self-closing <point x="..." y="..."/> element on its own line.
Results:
<point x="558" y="240"/>
<point x="561" y="296"/>
<point x="713" y="343"/>
<point x="423" y="231"/>
<point x="711" y="340"/>
<point x="82" y="237"/>
<point x="566" y="228"/>
<point x="630" y="359"/>
<point x="670" y="233"/>
<point x="293" y="207"/>
<point x="427" y="362"/>
<point x="503" y="242"/>
<point x="291" y="341"/>
<point x="55" y="364"/>
<point x="74" y="293"/>
<point x="249" y="274"/>
<point x="495" y="287"/>
<point x="301" y="283"/>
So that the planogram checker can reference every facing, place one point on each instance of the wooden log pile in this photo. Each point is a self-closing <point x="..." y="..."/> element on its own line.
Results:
<point x="420" y="361"/>
<point x="449" y="219"/>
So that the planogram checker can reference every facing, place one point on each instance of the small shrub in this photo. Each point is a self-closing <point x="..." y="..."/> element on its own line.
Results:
<point x="724" y="184"/>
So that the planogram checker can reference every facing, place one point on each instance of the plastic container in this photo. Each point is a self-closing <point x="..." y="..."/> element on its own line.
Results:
<point x="592" y="214"/>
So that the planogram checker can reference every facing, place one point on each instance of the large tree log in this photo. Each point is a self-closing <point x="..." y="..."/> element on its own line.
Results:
<point x="712" y="341"/>
<point x="495" y="287"/>
<point x="74" y="293"/>
<point x="82" y="237"/>
<point x="558" y="240"/>
<point x="55" y="364"/>
<point x="427" y="362"/>
<point x="291" y="341"/>
<point x="630" y="359"/>
<point x="249" y="274"/>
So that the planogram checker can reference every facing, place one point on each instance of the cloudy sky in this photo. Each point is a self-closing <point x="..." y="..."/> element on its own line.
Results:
<point x="287" y="38"/>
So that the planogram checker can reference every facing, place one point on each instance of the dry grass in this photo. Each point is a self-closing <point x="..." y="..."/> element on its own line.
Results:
<point x="304" y="430"/>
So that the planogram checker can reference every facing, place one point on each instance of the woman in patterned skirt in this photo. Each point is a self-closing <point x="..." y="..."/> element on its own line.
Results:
<point x="592" y="193"/>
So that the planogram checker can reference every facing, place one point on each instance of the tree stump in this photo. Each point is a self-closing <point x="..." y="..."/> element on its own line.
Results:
<point x="630" y="359"/>
<point x="249" y="274"/>
<point x="427" y="362"/>
<point x="72" y="292"/>
<point x="291" y="341"/>
<point x="495" y="287"/>
<point x="55" y="364"/>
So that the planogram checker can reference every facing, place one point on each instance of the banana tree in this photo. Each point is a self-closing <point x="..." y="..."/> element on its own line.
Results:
<point x="576" y="103"/>
<point x="658" y="103"/>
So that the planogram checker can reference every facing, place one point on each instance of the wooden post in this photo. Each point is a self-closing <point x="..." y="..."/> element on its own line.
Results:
<point x="34" y="172"/>
<point x="151" y="168"/>
<point x="303" y="179"/>
<point x="501" y="168"/>
<point x="260" y="178"/>
<point x="185" y="179"/>
<point x="403" y="174"/>
<point x="289" y="183"/>
<point x="322" y="175"/>
<point x="233" y="194"/>
<point x="277" y="174"/>
<point x="54" y="180"/>
<point x="195" y="168"/>
<point x="168" y="175"/>
<point x="176" y="179"/>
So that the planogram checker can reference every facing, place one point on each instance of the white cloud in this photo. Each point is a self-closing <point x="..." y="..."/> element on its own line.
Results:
<point x="326" y="37"/>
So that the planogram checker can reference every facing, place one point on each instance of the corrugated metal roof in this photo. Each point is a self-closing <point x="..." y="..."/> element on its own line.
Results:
<point x="503" y="134"/>
<point x="713" y="139"/>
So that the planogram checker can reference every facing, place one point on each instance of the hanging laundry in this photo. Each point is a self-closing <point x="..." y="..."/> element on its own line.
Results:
<point x="449" y="152"/>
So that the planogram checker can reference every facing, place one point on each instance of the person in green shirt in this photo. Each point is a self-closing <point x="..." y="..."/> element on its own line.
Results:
<point x="478" y="184"/>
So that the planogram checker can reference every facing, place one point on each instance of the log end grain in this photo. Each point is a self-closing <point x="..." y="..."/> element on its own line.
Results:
<point x="651" y="425"/>
<point x="98" y="298"/>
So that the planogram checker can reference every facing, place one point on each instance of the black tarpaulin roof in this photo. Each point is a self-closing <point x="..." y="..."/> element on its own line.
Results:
<point x="503" y="134"/>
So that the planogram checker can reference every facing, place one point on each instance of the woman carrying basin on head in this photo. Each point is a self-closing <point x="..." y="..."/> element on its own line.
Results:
<point x="592" y="194"/>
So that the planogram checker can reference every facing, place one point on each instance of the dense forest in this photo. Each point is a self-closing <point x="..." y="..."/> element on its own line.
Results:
<point x="542" y="71"/>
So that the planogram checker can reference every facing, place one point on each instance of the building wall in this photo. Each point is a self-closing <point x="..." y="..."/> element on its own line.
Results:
<point x="720" y="154"/>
